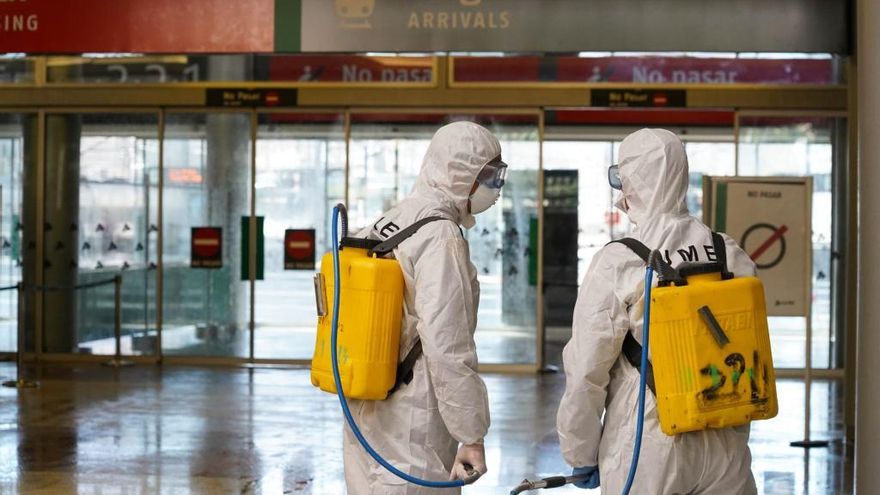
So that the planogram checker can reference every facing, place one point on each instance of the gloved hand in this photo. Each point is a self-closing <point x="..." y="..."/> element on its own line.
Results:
<point x="474" y="455"/>
<point x="592" y="477"/>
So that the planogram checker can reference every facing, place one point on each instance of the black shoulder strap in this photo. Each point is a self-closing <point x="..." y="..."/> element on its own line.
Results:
<point x="387" y="246"/>
<point x="632" y="351"/>
<point x="665" y="271"/>
<point x="405" y="367"/>
<point x="636" y="246"/>
<point x="721" y="255"/>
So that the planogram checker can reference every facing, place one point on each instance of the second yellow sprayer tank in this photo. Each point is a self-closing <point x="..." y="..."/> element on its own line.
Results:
<point x="710" y="350"/>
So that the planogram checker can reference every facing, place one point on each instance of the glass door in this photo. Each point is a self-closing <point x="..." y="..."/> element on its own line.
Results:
<point x="13" y="129"/>
<point x="804" y="145"/>
<point x="207" y="186"/>
<point x="300" y="176"/>
<point x="386" y="153"/>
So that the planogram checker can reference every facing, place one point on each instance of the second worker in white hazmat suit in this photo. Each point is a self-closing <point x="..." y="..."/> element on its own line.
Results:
<point x="434" y="425"/>
<point x="652" y="174"/>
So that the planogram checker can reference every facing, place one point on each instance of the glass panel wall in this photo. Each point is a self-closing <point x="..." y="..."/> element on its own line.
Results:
<point x="207" y="160"/>
<point x="385" y="158"/>
<point x="15" y="68"/>
<point x="384" y="161"/>
<point x="799" y="146"/>
<point x="12" y="132"/>
<point x="300" y="177"/>
<point x="100" y="204"/>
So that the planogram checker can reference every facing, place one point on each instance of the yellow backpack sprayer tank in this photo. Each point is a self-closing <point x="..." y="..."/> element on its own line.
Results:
<point x="711" y="364"/>
<point x="369" y="322"/>
<point x="368" y="340"/>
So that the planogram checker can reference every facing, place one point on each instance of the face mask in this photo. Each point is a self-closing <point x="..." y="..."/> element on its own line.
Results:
<point x="620" y="202"/>
<point x="483" y="198"/>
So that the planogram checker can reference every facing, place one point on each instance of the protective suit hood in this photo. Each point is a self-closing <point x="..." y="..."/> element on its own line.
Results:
<point x="654" y="173"/>
<point x="457" y="153"/>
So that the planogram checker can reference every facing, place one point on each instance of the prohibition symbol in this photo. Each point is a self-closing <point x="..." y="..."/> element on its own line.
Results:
<point x="768" y="235"/>
<point x="299" y="249"/>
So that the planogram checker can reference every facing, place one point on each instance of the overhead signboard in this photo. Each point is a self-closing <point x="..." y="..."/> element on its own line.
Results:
<point x="770" y="219"/>
<point x="137" y="26"/>
<point x="235" y="97"/>
<point x="651" y="98"/>
<point x="206" y="247"/>
<point x="351" y="69"/>
<point x="358" y="26"/>
<point x="653" y="69"/>
<point x="567" y="26"/>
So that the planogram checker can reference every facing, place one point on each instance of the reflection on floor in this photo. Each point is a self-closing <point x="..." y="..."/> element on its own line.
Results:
<point x="150" y="429"/>
<point x="495" y="345"/>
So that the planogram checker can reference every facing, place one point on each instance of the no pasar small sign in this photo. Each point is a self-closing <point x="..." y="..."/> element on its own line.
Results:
<point x="299" y="249"/>
<point x="206" y="247"/>
<point x="769" y="219"/>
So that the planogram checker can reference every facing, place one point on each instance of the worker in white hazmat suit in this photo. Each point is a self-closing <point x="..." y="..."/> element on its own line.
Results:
<point x="652" y="173"/>
<point x="434" y="425"/>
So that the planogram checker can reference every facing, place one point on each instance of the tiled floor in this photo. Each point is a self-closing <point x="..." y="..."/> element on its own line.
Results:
<point x="149" y="429"/>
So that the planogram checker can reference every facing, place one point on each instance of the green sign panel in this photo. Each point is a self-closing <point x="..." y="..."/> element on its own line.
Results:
<point x="533" y="251"/>
<point x="246" y="245"/>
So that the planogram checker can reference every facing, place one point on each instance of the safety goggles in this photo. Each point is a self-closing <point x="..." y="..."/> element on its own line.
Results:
<point x="614" y="177"/>
<point x="493" y="174"/>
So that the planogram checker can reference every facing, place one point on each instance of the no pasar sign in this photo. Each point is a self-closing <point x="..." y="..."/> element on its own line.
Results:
<point x="299" y="249"/>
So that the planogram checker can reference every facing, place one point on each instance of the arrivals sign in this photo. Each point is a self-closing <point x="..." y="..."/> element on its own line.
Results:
<point x="770" y="220"/>
<point x="299" y="249"/>
<point x="206" y="247"/>
<point x="567" y="26"/>
<point x="358" y="26"/>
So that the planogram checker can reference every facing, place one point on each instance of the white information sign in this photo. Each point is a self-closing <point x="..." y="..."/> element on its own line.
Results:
<point x="769" y="217"/>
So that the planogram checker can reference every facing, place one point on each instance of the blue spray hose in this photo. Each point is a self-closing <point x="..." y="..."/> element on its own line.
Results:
<point x="344" y="403"/>
<point x="646" y="323"/>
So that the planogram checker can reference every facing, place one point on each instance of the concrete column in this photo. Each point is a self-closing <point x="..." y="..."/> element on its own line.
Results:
<point x="227" y="179"/>
<point x="60" y="249"/>
<point x="867" y="476"/>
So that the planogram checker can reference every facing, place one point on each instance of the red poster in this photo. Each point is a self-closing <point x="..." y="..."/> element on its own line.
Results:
<point x="644" y="70"/>
<point x="137" y="26"/>
<point x="351" y="69"/>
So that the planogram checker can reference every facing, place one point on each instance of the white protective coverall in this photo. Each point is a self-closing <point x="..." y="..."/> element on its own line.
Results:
<point x="418" y="428"/>
<point x="654" y="175"/>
